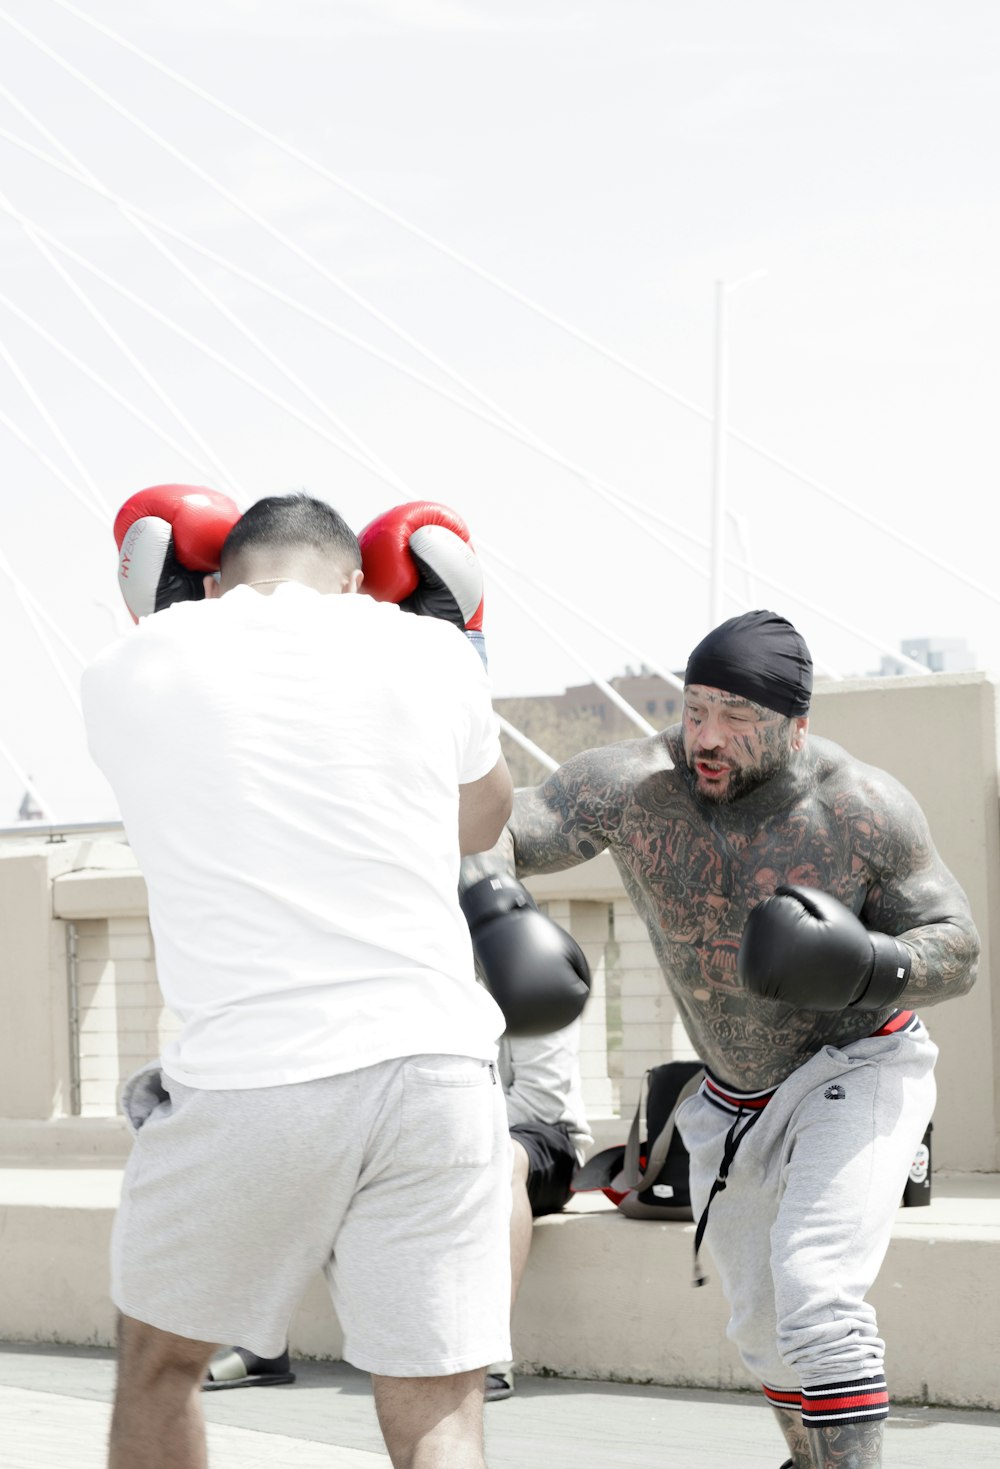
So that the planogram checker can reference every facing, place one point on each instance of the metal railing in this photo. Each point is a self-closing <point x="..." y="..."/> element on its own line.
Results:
<point x="59" y="830"/>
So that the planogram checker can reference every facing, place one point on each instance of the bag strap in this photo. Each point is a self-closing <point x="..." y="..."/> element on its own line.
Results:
<point x="633" y="1175"/>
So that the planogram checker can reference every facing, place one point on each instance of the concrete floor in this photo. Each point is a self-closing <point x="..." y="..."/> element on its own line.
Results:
<point x="54" y="1408"/>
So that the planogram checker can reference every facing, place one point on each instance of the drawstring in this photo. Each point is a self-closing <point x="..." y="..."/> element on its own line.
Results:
<point x="733" y="1140"/>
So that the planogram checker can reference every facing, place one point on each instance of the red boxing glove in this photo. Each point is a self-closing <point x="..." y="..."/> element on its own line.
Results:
<point x="168" y="537"/>
<point x="420" y="556"/>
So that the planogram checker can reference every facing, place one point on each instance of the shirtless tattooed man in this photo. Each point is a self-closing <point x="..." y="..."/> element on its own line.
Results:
<point x="800" y="914"/>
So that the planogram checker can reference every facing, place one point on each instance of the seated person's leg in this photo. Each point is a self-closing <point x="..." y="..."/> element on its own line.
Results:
<point x="544" y="1160"/>
<point x="520" y="1217"/>
<point x="551" y="1163"/>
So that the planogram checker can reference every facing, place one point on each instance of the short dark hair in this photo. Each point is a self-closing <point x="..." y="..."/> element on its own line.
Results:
<point x="292" y="520"/>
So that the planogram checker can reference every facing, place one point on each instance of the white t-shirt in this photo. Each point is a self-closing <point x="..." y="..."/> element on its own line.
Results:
<point x="287" y="769"/>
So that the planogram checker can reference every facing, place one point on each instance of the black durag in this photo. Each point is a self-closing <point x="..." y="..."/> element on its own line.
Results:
<point x="758" y="655"/>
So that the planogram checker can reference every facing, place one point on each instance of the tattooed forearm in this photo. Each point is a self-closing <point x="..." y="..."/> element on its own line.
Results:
<point x="945" y="962"/>
<point x="847" y="1446"/>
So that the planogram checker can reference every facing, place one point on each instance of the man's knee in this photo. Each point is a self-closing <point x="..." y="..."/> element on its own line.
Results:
<point x="432" y="1422"/>
<point x="146" y="1352"/>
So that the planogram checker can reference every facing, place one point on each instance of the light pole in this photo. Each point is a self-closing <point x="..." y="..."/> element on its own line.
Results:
<point x="717" y="569"/>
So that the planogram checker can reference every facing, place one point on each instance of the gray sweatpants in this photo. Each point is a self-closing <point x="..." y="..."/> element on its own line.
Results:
<point x="800" y="1232"/>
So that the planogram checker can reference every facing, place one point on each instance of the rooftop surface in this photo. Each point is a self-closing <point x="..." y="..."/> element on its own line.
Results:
<point x="55" y="1407"/>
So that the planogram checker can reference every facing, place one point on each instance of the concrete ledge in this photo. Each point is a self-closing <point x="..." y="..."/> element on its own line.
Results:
<point x="98" y="894"/>
<point x="31" y="1140"/>
<point x="604" y="1297"/>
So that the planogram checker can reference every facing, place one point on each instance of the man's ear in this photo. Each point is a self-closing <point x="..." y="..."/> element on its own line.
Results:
<point x="212" y="588"/>
<point x="801" y="730"/>
<point x="354" y="580"/>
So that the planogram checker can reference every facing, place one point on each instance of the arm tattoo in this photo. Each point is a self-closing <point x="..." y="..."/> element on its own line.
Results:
<point x="578" y="811"/>
<point x="911" y="894"/>
<point x="563" y="822"/>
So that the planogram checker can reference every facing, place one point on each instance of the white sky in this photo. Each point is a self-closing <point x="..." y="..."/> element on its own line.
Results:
<point x="611" y="160"/>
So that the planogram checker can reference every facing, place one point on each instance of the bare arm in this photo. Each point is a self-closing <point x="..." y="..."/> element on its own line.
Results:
<point x="566" y="821"/>
<point x="913" y="896"/>
<point x="483" y="807"/>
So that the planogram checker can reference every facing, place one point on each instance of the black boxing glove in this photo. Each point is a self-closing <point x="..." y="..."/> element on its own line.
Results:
<point x="803" y="947"/>
<point x="534" y="969"/>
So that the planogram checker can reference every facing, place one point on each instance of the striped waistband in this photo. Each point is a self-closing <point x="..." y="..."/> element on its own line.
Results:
<point x="899" y="1020"/>
<point x="731" y="1099"/>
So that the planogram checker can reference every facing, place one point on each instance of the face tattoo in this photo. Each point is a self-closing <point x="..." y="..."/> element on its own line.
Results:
<point x="744" y="684"/>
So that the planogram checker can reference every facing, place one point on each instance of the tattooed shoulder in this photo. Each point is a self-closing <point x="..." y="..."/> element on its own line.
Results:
<point x="578" y="811"/>
<point x="884" y="828"/>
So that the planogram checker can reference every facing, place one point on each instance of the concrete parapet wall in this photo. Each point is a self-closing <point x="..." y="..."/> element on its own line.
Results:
<point x="604" y="1297"/>
<point x="940" y="737"/>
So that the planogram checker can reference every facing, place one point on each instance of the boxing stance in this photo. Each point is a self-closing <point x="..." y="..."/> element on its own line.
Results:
<point x="418" y="556"/>
<point x="800" y="914"/>
<point x="299" y="769"/>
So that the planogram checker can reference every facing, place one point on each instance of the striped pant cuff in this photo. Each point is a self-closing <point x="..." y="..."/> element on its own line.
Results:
<point x="863" y="1399"/>
<point x="782" y="1397"/>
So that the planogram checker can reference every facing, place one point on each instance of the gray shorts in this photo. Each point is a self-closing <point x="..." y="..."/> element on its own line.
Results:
<point x="393" y="1180"/>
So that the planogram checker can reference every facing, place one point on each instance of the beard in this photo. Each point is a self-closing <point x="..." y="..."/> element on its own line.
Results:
<point x="743" y="780"/>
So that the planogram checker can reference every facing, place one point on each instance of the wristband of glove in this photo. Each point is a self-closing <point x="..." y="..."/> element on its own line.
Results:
<point x="493" y="896"/>
<point x="890" y="973"/>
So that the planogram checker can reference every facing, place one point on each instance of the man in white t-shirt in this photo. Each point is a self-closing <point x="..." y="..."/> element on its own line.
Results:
<point x="299" y="770"/>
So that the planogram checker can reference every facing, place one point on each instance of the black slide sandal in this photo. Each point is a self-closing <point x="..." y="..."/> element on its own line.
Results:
<point x="238" y="1367"/>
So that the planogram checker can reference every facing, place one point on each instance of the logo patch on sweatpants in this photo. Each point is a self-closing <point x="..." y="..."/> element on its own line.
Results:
<point x="835" y="1093"/>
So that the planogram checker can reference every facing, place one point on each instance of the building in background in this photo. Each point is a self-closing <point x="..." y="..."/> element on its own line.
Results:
<point x="583" y="717"/>
<point x="940" y="655"/>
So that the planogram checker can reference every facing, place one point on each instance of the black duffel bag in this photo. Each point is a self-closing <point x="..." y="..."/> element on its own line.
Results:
<point x="649" y="1179"/>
